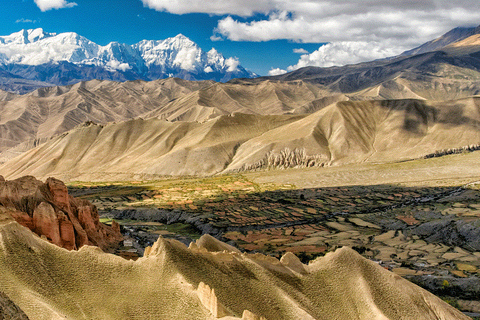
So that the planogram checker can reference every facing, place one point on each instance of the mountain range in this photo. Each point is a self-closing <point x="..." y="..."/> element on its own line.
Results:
<point x="30" y="59"/>
<point x="453" y="36"/>
<point x="34" y="58"/>
<point x="340" y="133"/>
<point x="309" y="117"/>
<point x="443" y="69"/>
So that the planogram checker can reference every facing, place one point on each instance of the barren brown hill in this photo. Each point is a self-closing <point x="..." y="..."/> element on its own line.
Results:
<point x="373" y="131"/>
<point x="145" y="147"/>
<point x="200" y="282"/>
<point x="452" y="36"/>
<point x="50" y="111"/>
<point x="344" y="132"/>
<point x="31" y="119"/>
<point x="438" y="75"/>
<point x="465" y="46"/>
<point x="5" y="96"/>
<point x="447" y="68"/>
<point x="48" y="210"/>
<point x="266" y="97"/>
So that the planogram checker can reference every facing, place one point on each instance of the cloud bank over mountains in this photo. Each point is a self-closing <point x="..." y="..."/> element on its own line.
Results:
<point x="356" y="30"/>
<point x="340" y="54"/>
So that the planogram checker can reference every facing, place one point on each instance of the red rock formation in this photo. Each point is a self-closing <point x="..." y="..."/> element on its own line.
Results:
<point x="48" y="210"/>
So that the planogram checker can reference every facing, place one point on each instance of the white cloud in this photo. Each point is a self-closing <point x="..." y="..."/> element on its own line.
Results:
<point x="218" y="7"/>
<point x="215" y="37"/>
<point x="276" y="72"/>
<point x="411" y="27"/>
<point x="186" y="58"/>
<point x="46" y="5"/>
<point x="117" y="65"/>
<point x="300" y="50"/>
<point x="208" y="69"/>
<point x="25" y="21"/>
<point x="342" y="53"/>
<point x="397" y="25"/>
<point x="232" y="64"/>
<point x="320" y="21"/>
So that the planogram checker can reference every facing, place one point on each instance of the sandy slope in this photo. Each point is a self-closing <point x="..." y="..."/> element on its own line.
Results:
<point x="344" y="132"/>
<point x="174" y="282"/>
<point x="5" y="96"/>
<point x="54" y="110"/>
<point x="9" y="311"/>
<point x="26" y="120"/>
<point x="267" y="98"/>
<point x="153" y="146"/>
<point x="375" y="131"/>
<point x="465" y="46"/>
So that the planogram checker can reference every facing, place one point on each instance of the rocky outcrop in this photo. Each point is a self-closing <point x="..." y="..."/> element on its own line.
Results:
<point x="48" y="210"/>
<point x="247" y="315"/>
<point x="292" y="262"/>
<point x="209" y="300"/>
<point x="47" y="282"/>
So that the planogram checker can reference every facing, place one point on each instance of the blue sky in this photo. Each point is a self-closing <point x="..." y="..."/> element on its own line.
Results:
<point x="262" y="34"/>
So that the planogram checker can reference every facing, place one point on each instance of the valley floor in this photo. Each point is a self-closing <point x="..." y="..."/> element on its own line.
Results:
<point x="419" y="219"/>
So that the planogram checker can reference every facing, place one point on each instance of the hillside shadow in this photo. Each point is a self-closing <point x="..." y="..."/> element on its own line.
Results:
<point x="419" y="115"/>
<point x="85" y="191"/>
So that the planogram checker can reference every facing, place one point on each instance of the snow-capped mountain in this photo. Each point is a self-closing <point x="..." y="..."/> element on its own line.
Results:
<point x="36" y="47"/>
<point x="65" y="58"/>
